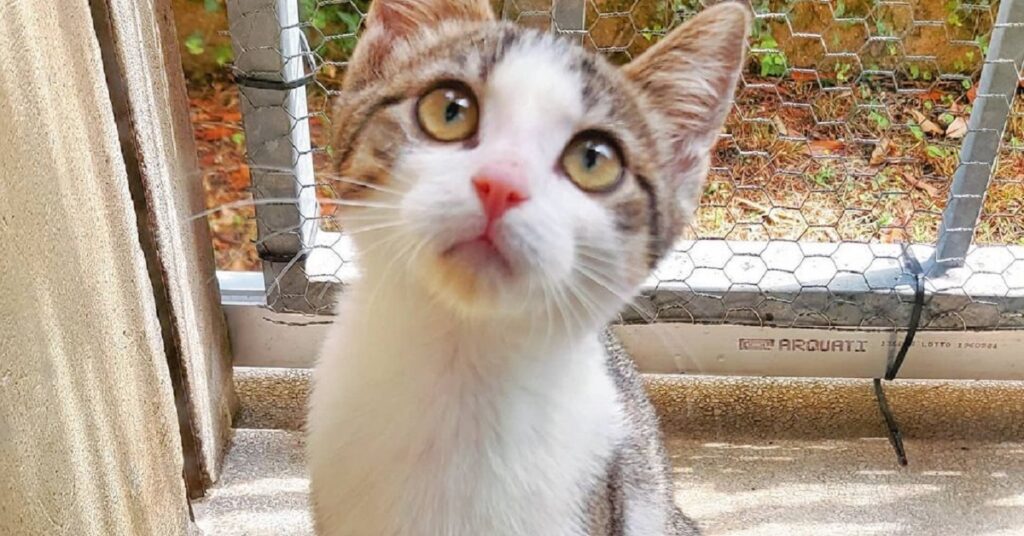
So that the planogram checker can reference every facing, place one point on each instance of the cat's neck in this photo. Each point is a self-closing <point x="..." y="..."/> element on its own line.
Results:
<point x="403" y="311"/>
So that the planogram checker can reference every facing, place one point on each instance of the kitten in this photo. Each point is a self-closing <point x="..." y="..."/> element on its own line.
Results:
<point x="507" y="193"/>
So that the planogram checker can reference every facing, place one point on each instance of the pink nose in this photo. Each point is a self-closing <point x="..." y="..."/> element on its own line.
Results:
<point x="499" y="189"/>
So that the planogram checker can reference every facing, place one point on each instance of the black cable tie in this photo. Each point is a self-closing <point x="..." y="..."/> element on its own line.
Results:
<point x="915" y="321"/>
<point x="895" y="436"/>
<point x="241" y="78"/>
<point x="270" y="256"/>
<point x="277" y="85"/>
<point x="893" y="367"/>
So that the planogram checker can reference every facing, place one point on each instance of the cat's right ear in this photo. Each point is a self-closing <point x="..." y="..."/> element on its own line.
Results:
<point x="391" y="21"/>
<point x="689" y="78"/>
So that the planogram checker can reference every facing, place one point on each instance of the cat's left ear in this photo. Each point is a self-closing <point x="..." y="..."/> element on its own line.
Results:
<point x="689" y="78"/>
<point x="390" y="22"/>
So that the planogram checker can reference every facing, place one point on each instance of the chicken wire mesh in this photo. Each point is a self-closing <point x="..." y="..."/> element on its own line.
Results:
<point x="829" y="182"/>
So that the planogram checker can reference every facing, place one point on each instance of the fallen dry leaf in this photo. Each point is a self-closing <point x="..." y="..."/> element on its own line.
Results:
<point x="931" y="128"/>
<point x="214" y="133"/>
<point x="920" y="185"/>
<point x="880" y="152"/>
<point x="239" y="177"/>
<point x="780" y="125"/>
<point x="825" y="147"/>
<point x="927" y="125"/>
<point x="957" y="129"/>
<point x="803" y="76"/>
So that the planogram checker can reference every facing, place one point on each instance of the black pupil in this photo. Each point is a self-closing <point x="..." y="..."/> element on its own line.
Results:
<point x="453" y="110"/>
<point x="590" y="157"/>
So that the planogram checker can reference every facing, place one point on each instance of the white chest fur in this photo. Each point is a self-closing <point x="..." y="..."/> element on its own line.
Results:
<point x="413" y="432"/>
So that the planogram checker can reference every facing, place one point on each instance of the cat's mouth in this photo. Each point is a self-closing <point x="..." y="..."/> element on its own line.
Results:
<point x="479" y="253"/>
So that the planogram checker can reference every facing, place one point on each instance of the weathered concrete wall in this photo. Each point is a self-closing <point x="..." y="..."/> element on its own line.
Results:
<point x="152" y="105"/>
<point x="89" y="441"/>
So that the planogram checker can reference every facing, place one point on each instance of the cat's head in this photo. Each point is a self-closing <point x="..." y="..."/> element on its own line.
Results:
<point x="512" y="172"/>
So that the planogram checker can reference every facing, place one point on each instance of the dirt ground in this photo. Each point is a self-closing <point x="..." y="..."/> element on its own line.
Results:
<point x="799" y="162"/>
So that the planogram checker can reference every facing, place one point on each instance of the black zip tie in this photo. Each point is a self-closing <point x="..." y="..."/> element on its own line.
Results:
<point x="895" y="436"/>
<point x="270" y="256"/>
<point x="241" y="78"/>
<point x="893" y="368"/>
<point x="915" y="320"/>
<point x="277" y="85"/>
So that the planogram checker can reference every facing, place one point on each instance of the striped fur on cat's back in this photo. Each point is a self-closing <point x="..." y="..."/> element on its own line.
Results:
<point x="507" y="193"/>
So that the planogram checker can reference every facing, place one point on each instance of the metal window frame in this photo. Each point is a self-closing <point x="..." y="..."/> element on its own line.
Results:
<point x="846" y="288"/>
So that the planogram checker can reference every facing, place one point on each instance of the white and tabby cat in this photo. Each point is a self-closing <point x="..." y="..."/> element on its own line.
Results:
<point x="507" y="192"/>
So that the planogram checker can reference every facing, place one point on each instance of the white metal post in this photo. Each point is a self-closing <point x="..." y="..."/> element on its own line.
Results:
<point x="996" y="90"/>
<point x="271" y="71"/>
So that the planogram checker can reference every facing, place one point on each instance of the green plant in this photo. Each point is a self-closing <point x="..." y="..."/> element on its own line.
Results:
<point x="936" y="151"/>
<point x="843" y="72"/>
<point x="823" y="177"/>
<point x="953" y="14"/>
<point x="982" y="41"/>
<point x="883" y="28"/>
<point x="772" y="60"/>
<point x="334" y="26"/>
<point x="881" y="120"/>
<point x="199" y="44"/>
<point x="916" y="131"/>
<point x="195" y="43"/>
<point x="915" y="72"/>
<point x="919" y="233"/>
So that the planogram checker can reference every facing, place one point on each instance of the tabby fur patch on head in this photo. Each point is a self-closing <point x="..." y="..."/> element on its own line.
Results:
<point x="534" y="94"/>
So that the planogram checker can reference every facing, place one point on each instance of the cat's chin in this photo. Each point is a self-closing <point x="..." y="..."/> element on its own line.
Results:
<point x="479" y="255"/>
<point x="475" y="276"/>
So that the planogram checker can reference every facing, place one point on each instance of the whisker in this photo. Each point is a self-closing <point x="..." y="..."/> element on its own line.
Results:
<point x="548" y="311"/>
<point x="562" y="305"/>
<point x="623" y="295"/>
<point x="583" y="299"/>
<point x="280" y="232"/>
<point x="351" y="231"/>
<point x="349" y="203"/>
<point x="281" y="274"/>
<point x="341" y="178"/>
<point x="386" y="273"/>
<point x="387" y="240"/>
<point x="282" y="200"/>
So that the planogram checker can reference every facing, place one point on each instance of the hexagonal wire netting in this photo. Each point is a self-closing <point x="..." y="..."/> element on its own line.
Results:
<point x="829" y="182"/>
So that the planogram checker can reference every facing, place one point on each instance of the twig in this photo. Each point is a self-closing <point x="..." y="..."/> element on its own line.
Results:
<point x="765" y="211"/>
<point x="921" y="185"/>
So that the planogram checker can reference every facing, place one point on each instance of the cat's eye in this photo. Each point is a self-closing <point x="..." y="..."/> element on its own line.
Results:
<point x="593" y="161"/>
<point x="448" y="112"/>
